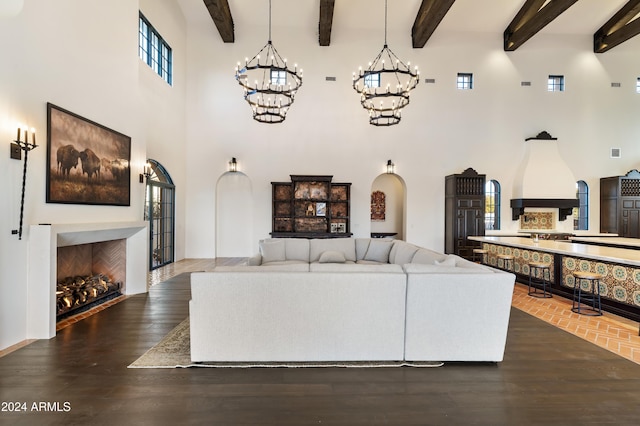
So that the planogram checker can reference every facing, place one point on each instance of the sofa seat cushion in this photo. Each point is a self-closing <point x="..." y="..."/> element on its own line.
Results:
<point x="345" y="245"/>
<point x="370" y="262"/>
<point x="285" y="262"/>
<point x="419" y="268"/>
<point x="354" y="267"/>
<point x="272" y="267"/>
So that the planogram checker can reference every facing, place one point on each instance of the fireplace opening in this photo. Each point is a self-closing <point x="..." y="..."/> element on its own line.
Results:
<point x="88" y="275"/>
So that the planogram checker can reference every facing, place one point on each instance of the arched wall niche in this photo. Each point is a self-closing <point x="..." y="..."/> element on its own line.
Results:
<point x="234" y="215"/>
<point x="394" y="189"/>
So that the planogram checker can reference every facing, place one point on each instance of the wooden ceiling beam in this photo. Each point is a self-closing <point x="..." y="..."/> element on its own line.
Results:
<point x="532" y="17"/>
<point x="221" y="15"/>
<point x="326" y="21"/>
<point x="620" y="28"/>
<point x="429" y="16"/>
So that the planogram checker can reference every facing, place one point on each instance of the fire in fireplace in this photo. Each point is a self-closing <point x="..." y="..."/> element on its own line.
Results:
<point x="75" y="293"/>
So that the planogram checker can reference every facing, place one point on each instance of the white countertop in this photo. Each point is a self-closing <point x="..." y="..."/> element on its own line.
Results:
<point x="621" y="241"/>
<point x="587" y="251"/>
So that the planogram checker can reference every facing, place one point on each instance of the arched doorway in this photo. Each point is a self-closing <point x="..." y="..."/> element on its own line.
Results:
<point x="388" y="202"/>
<point x="159" y="210"/>
<point x="234" y="216"/>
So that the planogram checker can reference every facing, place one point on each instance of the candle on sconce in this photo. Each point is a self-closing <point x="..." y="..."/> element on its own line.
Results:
<point x="18" y="140"/>
<point x="33" y="136"/>
<point x="26" y="134"/>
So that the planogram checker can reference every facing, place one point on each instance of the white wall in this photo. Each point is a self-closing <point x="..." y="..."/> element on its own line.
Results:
<point x="443" y="130"/>
<point x="80" y="55"/>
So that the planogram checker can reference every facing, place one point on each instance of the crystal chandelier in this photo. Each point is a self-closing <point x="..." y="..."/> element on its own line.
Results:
<point x="384" y="87"/>
<point x="269" y="84"/>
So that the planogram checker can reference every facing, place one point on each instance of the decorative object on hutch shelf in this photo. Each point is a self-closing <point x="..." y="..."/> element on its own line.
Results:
<point x="381" y="87"/>
<point x="391" y="168"/>
<point x="311" y="207"/>
<point x="233" y="165"/>
<point x="269" y="86"/>
<point x="17" y="147"/>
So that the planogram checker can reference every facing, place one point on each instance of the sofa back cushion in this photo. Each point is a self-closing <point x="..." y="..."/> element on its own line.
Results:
<point x="332" y="256"/>
<point x="272" y="250"/>
<point x="378" y="251"/>
<point x="297" y="249"/>
<point x="294" y="249"/>
<point x="428" y="257"/>
<point x="345" y="245"/>
<point x="362" y="244"/>
<point x="402" y="252"/>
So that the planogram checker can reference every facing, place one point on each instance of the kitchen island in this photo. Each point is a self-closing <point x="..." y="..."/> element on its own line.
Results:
<point x="620" y="289"/>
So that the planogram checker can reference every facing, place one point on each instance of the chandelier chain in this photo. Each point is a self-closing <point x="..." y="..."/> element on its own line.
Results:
<point x="385" y="22"/>
<point x="270" y="21"/>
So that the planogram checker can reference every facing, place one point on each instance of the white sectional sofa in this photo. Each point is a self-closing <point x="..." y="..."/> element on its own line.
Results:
<point x="350" y="299"/>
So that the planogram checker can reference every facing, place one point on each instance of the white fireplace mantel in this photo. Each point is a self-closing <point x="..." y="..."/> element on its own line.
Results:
<point x="44" y="241"/>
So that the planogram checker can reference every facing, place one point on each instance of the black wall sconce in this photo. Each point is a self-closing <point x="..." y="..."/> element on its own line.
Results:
<point x="146" y="172"/>
<point x="391" y="168"/>
<point x="17" y="147"/>
<point x="233" y="165"/>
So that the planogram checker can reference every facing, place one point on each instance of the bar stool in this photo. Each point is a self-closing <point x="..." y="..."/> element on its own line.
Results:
<point x="507" y="261"/>
<point x="542" y="268"/>
<point x="481" y="254"/>
<point x="594" y="296"/>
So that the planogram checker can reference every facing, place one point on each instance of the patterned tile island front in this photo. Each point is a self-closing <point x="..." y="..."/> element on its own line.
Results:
<point x="620" y="288"/>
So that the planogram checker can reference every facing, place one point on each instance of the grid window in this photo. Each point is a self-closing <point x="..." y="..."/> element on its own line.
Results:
<point x="465" y="81"/>
<point x="555" y="83"/>
<point x="581" y="213"/>
<point x="372" y="80"/>
<point x="153" y="50"/>
<point x="638" y="85"/>
<point x="492" y="205"/>
<point x="278" y="77"/>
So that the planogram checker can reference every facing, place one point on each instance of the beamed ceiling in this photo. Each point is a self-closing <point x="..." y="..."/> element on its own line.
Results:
<point x="610" y="22"/>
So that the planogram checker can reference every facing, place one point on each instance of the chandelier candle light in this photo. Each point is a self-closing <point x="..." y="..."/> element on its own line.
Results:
<point x="385" y="87"/>
<point x="269" y="84"/>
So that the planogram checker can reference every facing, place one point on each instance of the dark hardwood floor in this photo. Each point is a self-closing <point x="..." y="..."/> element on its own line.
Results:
<point x="548" y="377"/>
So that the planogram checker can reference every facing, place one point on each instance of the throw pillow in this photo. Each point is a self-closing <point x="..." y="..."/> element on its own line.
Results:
<point x="272" y="251"/>
<point x="449" y="261"/>
<point x="331" y="256"/>
<point x="378" y="251"/>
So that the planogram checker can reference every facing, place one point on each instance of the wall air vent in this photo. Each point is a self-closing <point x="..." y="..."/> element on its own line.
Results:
<point x="616" y="153"/>
<point x="616" y="84"/>
<point x="525" y="83"/>
<point x="330" y="78"/>
<point x="430" y="80"/>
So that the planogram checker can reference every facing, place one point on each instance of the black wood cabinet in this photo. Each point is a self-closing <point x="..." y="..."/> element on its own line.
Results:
<point x="620" y="204"/>
<point x="311" y="206"/>
<point x="464" y="211"/>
